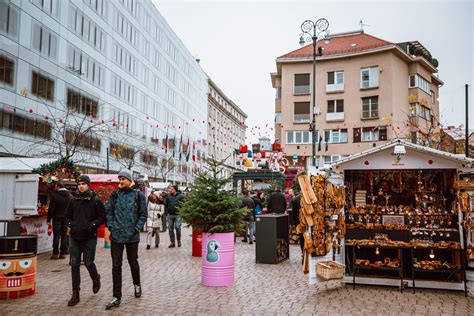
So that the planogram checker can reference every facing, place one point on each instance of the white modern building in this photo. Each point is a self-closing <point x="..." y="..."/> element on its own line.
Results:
<point x="226" y="129"/>
<point x="116" y="67"/>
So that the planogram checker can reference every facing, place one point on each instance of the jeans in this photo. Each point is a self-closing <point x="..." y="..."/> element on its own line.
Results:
<point x="174" y="222"/>
<point x="79" y="247"/>
<point x="249" y="230"/>
<point x="117" y="256"/>
<point x="152" y="232"/>
<point x="59" y="236"/>
<point x="163" y="221"/>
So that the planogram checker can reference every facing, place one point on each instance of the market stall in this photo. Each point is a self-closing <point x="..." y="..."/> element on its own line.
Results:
<point x="465" y="186"/>
<point x="25" y="197"/>
<point x="403" y="218"/>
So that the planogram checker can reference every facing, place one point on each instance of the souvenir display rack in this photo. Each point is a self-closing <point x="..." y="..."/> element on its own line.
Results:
<point x="410" y="232"/>
<point x="392" y="263"/>
<point x="466" y="206"/>
<point x="321" y="216"/>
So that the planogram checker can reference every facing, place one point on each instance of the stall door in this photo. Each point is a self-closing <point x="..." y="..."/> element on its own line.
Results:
<point x="26" y="194"/>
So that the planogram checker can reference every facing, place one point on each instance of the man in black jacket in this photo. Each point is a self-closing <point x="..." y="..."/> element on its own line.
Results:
<point x="172" y="203"/>
<point x="56" y="212"/>
<point x="249" y="218"/>
<point x="85" y="214"/>
<point x="295" y="216"/>
<point x="277" y="202"/>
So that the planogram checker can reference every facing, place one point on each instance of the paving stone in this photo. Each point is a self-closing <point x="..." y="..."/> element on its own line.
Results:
<point x="171" y="286"/>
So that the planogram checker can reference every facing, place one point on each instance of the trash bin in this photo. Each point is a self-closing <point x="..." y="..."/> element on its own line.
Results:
<point x="197" y="242"/>
<point x="272" y="243"/>
<point x="18" y="266"/>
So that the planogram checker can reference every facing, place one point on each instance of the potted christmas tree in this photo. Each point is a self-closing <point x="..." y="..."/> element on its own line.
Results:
<point x="218" y="213"/>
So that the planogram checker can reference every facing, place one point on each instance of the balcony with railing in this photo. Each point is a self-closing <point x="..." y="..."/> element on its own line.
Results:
<point x="369" y="114"/>
<point x="335" y="116"/>
<point x="301" y="90"/>
<point x="336" y="87"/>
<point x="301" y="118"/>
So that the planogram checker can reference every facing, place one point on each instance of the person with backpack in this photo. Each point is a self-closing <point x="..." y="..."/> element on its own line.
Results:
<point x="56" y="212"/>
<point x="85" y="213"/>
<point x="126" y="213"/>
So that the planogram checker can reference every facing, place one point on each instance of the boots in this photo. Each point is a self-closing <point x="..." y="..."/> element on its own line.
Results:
<point x="96" y="284"/>
<point x="74" y="299"/>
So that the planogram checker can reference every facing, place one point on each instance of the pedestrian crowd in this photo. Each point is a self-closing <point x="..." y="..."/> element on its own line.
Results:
<point x="126" y="213"/>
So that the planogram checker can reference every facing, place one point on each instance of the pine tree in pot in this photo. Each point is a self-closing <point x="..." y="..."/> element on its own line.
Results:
<point x="218" y="213"/>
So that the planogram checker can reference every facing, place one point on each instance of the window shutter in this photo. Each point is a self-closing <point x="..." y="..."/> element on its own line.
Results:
<point x="374" y="77"/>
<point x="357" y="135"/>
<point x="24" y="202"/>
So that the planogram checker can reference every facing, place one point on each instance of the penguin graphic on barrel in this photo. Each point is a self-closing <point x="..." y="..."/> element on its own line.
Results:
<point x="212" y="254"/>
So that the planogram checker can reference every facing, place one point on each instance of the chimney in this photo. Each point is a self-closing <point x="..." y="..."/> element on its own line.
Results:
<point x="198" y="60"/>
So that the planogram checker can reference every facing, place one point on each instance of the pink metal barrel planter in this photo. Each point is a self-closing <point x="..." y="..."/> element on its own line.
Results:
<point x="217" y="259"/>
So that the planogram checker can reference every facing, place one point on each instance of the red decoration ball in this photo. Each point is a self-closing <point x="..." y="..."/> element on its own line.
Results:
<point x="430" y="162"/>
<point x="366" y="162"/>
<point x="30" y="110"/>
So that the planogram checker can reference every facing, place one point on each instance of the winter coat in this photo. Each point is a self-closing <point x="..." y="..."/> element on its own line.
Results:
<point x="155" y="212"/>
<point x="249" y="203"/>
<point x="277" y="203"/>
<point x="126" y="214"/>
<point x="295" y="210"/>
<point x="59" y="203"/>
<point x="173" y="202"/>
<point x="84" y="215"/>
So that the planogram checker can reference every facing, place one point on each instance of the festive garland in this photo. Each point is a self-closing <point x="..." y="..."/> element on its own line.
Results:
<point x="63" y="165"/>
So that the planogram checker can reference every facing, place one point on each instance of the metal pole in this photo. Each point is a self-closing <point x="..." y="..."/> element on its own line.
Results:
<point x="313" y="132"/>
<point x="466" y="141"/>
<point x="108" y="160"/>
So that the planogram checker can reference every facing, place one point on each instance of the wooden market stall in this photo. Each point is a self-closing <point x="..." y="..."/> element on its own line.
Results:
<point x="25" y="200"/>
<point x="403" y="217"/>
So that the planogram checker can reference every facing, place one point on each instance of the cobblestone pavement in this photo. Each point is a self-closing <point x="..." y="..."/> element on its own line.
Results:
<point x="171" y="285"/>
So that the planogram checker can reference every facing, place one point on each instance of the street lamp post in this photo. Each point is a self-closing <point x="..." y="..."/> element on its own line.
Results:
<point x="312" y="31"/>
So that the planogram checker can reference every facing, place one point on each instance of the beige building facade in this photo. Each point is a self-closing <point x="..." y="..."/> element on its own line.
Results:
<point x="368" y="91"/>
<point x="226" y="128"/>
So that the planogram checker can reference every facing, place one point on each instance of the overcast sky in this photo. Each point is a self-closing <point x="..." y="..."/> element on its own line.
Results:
<point x="238" y="42"/>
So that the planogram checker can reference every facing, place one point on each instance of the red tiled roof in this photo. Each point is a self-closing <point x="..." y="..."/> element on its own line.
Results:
<point x="341" y="44"/>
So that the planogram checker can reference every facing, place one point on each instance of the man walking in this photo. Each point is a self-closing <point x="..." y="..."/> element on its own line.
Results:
<point x="126" y="215"/>
<point x="84" y="215"/>
<point x="56" y="213"/>
<point x="249" y="218"/>
<point x="173" y="201"/>
<point x="277" y="201"/>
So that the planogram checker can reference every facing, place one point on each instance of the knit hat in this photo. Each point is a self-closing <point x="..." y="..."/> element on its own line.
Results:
<point x="84" y="178"/>
<point x="126" y="174"/>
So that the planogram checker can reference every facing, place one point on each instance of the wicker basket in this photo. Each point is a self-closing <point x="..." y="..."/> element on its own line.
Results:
<point x="330" y="270"/>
